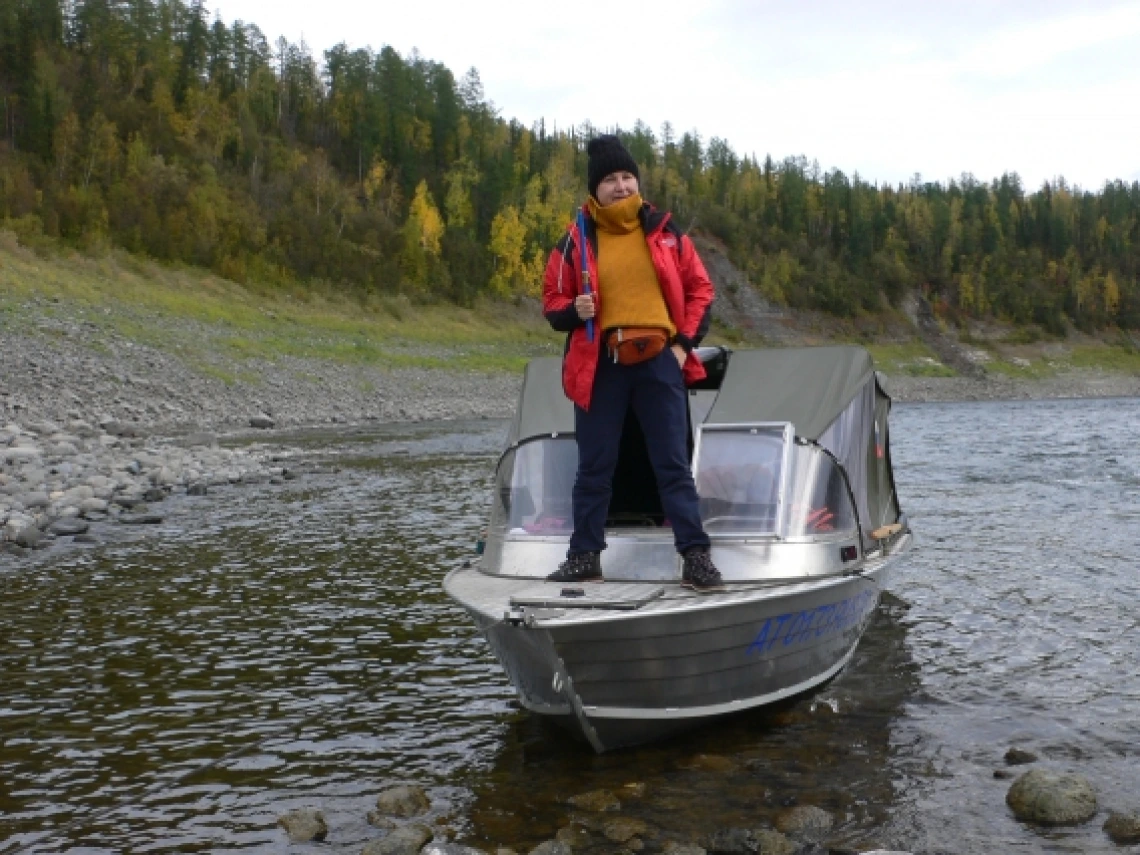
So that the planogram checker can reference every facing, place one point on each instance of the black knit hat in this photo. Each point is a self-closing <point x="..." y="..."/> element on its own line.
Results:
<point x="607" y="155"/>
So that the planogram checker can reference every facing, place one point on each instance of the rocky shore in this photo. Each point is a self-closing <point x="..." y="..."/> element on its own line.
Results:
<point x="57" y="480"/>
<point x="597" y="822"/>
<point x="97" y="427"/>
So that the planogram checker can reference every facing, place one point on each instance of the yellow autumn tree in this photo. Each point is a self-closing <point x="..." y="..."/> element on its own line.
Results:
<point x="1086" y="288"/>
<point x="65" y="144"/>
<point x="965" y="291"/>
<point x="514" y="273"/>
<point x="423" y="234"/>
<point x="460" y="178"/>
<point x="374" y="180"/>
<point x="1111" y="295"/>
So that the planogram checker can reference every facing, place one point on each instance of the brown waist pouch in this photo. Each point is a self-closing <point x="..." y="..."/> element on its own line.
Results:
<point x="631" y="345"/>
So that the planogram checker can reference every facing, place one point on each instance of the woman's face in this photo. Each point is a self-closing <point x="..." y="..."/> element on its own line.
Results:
<point x="615" y="187"/>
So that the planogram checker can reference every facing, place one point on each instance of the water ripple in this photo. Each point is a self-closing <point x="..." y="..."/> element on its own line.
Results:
<point x="293" y="648"/>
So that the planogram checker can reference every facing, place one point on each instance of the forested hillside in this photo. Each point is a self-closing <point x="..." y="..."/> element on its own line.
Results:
<point x="151" y="125"/>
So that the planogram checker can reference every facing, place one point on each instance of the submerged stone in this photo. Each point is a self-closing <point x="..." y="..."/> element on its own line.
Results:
<point x="596" y="800"/>
<point x="379" y="820"/>
<point x="1123" y="828"/>
<point x="1050" y="798"/>
<point x="450" y="849"/>
<point x="805" y="823"/>
<point x="304" y="825"/>
<point x="709" y="763"/>
<point x="769" y="842"/>
<point x="1019" y="757"/>
<point x="624" y="828"/>
<point x="575" y="835"/>
<point x="730" y="841"/>
<point x="405" y="840"/>
<point x="551" y="847"/>
<point x="764" y="841"/>
<point x="404" y="800"/>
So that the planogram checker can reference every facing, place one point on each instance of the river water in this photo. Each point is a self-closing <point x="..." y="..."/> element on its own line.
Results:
<point x="178" y="689"/>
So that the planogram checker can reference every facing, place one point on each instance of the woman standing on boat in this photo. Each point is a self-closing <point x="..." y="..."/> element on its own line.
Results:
<point x="634" y="312"/>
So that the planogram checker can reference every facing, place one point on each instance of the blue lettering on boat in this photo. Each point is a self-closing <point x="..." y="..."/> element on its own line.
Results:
<point x="797" y="627"/>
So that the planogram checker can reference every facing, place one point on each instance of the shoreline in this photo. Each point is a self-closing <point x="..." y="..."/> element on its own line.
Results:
<point x="98" y="426"/>
<point x="1068" y="385"/>
<point x="66" y="369"/>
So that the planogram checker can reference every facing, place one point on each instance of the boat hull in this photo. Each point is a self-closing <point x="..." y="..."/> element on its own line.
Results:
<point x="623" y="677"/>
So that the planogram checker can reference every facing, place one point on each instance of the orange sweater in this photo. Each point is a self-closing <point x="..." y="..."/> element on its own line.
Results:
<point x="629" y="293"/>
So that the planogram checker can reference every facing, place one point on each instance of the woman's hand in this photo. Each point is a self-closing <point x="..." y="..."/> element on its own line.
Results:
<point x="584" y="306"/>
<point x="679" y="352"/>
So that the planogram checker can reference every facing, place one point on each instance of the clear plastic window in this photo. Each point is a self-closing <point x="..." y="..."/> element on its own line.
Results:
<point x="819" y="502"/>
<point x="738" y="479"/>
<point x="533" y="487"/>
<point x="742" y="484"/>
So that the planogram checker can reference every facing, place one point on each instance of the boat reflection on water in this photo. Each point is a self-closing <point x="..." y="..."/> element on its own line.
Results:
<point x="832" y="749"/>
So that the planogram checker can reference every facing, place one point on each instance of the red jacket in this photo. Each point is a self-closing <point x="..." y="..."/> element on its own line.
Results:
<point x="684" y="283"/>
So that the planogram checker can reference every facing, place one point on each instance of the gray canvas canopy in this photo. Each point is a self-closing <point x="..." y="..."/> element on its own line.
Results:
<point x="830" y="395"/>
<point x="806" y="386"/>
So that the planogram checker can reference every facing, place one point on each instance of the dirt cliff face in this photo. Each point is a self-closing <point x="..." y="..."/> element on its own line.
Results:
<point x="742" y="313"/>
<point x="739" y="306"/>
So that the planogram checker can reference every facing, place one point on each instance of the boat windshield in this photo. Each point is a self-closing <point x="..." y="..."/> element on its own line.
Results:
<point x="758" y="481"/>
<point x="533" y="486"/>
<point x="751" y="481"/>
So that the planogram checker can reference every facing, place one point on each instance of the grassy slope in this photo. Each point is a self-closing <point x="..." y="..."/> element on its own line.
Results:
<point x="216" y="323"/>
<point x="224" y="328"/>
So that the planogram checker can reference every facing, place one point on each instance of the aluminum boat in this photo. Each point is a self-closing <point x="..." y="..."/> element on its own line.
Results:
<point x="791" y="459"/>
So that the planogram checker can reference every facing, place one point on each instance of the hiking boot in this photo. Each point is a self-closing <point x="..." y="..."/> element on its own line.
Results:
<point x="699" y="573"/>
<point x="579" y="567"/>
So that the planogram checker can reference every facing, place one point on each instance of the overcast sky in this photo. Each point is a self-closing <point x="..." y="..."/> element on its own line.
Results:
<point x="885" y="89"/>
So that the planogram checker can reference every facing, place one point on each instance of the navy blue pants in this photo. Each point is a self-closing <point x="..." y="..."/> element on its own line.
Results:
<point x="656" y="392"/>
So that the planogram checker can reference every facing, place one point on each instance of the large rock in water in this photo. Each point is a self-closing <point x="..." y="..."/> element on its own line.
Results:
<point x="404" y="800"/>
<point x="304" y="824"/>
<point x="1050" y="798"/>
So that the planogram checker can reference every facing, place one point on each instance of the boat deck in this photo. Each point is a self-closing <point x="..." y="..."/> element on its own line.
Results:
<point x="493" y="596"/>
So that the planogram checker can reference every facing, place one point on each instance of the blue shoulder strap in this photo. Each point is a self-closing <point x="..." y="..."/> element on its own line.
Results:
<point x="582" y="253"/>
